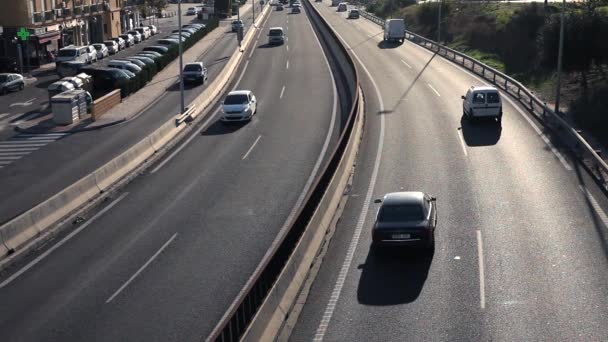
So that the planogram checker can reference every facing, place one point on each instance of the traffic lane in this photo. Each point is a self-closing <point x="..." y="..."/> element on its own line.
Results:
<point x="409" y="162"/>
<point x="484" y="174"/>
<point x="215" y="203"/>
<point x="50" y="169"/>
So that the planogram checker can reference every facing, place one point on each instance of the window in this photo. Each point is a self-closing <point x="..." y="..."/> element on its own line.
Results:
<point x="479" y="98"/>
<point x="401" y="213"/>
<point x="493" y="97"/>
<point x="236" y="99"/>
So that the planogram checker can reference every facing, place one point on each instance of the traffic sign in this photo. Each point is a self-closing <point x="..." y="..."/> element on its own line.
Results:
<point x="23" y="33"/>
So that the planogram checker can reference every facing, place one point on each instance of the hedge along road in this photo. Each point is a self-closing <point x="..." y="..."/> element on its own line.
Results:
<point x="41" y="174"/>
<point x="173" y="250"/>
<point x="520" y="250"/>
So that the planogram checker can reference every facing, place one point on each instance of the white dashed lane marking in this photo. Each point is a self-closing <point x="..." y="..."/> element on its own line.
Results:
<point x="21" y="145"/>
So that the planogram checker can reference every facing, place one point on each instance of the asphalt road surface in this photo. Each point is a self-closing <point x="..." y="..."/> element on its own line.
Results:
<point x="521" y="249"/>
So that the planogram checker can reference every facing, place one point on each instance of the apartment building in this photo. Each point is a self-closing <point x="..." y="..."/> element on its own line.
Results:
<point x="53" y="24"/>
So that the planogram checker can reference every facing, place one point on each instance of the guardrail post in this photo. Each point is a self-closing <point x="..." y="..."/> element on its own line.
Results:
<point x="483" y="71"/>
<point x="494" y="78"/>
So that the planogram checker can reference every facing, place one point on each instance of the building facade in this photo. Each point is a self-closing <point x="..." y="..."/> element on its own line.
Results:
<point x="53" y="24"/>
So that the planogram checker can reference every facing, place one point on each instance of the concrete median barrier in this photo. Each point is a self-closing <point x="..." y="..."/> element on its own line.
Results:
<point x="163" y="134"/>
<point x="17" y="232"/>
<point x="120" y="166"/>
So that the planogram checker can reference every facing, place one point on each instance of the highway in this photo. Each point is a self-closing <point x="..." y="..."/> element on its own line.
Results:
<point x="49" y="168"/>
<point x="165" y="257"/>
<point x="521" y="244"/>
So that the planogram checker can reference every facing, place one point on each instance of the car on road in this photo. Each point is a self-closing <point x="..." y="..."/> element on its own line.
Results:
<point x="69" y="68"/>
<point x="121" y="43"/>
<point x="195" y="72"/>
<point x="137" y="36"/>
<point x="279" y="7"/>
<point x="239" y="105"/>
<point x="236" y="24"/>
<point x="11" y="82"/>
<point x="394" y="30"/>
<point x="129" y="39"/>
<point x="157" y="48"/>
<point x="342" y="7"/>
<point x="102" y="50"/>
<point x="353" y="14"/>
<point x="405" y="219"/>
<point x="168" y="42"/>
<point x="91" y="53"/>
<point x="482" y="102"/>
<point x="112" y="46"/>
<point x="191" y="11"/>
<point x="276" y="35"/>
<point x="153" y="29"/>
<point x="296" y="9"/>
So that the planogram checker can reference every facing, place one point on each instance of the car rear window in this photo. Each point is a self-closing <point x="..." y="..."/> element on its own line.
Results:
<point x="401" y="213"/>
<point x="67" y="53"/>
<point x="493" y="97"/>
<point x="479" y="98"/>
<point x="193" y="67"/>
<point x="275" y="33"/>
<point x="236" y="99"/>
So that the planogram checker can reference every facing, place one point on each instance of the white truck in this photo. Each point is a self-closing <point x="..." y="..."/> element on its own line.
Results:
<point x="394" y="30"/>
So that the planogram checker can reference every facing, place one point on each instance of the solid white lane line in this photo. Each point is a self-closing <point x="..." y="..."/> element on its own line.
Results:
<point x="3" y="115"/>
<point x="23" y="142"/>
<point x="6" y="157"/>
<point x="43" y="135"/>
<point x="22" y="150"/>
<point x="5" y="162"/>
<point x="404" y="62"/>
<point x="482" y="286"/>
<point x="241" y="75"/>
<point x="462" y="143"/>
<point x="287" y="47"/>
<point x="287" y="65"/>
<point x="433" y="89"/>
<point x="251" y="148"/>
<point x="194" y="135"/>
<point x="282" y="91"/>
<point x="253" y="49"/>
<point x="141" y="269"/>
<point x="34" y="146"/>
<point x="596" y="206"/>
<point x="62" y="242"/>
<point x="555" y="151"/>
<point x="337" y="290"/>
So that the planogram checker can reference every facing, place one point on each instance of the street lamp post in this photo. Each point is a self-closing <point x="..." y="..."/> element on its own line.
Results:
<point x="253" y="9"/>
<point x="181" y="62"/>
<point x="559" y="57"/>
<point x="439" y="23"/>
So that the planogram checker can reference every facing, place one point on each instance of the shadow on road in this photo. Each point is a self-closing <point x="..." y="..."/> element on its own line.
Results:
<point x="220" y="128"/>
<point x="385" y="44"/>
<point x="393" y="276"/>
<point x="480" y="132"/>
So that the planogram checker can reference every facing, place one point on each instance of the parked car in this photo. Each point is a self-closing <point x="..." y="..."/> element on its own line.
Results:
<point x="157" y="48"/>
<point x="149" y="54"/>
<point x="146" y="60"/>
<point x="144" y="31"/>
<point x="167" y="42"/>
<point x="11" y="82"/>
<point x="8" y="64"/>
<point x="195" y="72"/>
<point x="112" y="46"/>
<point x="105" y="78"/>
<point x="184" y="33"/>
<point x="91" y="54"/>
<point x="129" y="39"/>
<point x="153" y="29"/>
<point x="72" y="53"/>
<point x="121" y="43"/>
<point x="353" y="14"/>
<point x="239" y="105"/>
<point x="482" y="102"/>
<point x="197" y="27"/>
<point x="69" y="68"/>
<point x="135" y="61"/>
<point x="405" y="219"/>
<point x="58" y="88"/>
<point x="191" y="11"/>
<point x="137" y="36"/>
<point x="279" y="7"/>
<point x="236" y="24"/>
<point x="276" y="36"/>
<point x="124" y="65"/>
<point x="102" y="51"/>
<point x="176" y="36"/>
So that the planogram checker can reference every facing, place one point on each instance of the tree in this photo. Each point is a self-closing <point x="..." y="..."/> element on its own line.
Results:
<point x="157" y="5"/>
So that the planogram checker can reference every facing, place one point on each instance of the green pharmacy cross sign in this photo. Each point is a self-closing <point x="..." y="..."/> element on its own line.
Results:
<point x="23" y="33"/>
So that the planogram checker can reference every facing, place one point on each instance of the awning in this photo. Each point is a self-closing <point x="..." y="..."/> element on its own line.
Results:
<point x="48" y="36"/>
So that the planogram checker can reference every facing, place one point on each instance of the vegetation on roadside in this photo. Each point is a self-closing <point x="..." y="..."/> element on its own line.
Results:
<point x="522" y="40"/>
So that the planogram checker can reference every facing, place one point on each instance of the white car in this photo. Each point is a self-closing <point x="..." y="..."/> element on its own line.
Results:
<point x="482" y="102"/>
<point x="102" y="50"/>
<point x="195" y="72"/>
<point x="112" y="46"/>
<point x="239" y="105"/>
<point x="153" y="29"/>
<point x="92" y="52"/>
<point x="191" y="11"/>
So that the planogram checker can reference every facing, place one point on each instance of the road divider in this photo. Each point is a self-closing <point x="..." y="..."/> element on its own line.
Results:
<point x="20" y="233"/>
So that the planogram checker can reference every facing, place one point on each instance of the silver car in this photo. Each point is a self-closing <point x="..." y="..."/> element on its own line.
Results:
<point x="11" y="82"/>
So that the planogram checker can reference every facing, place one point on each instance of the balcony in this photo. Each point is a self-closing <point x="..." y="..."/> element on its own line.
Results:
<point x="37" y="18"/>
<point x="67" y="12"/>
<point x="77" y="11"/>
<point x="86" y="9"/>
<point x="49" y="16"/>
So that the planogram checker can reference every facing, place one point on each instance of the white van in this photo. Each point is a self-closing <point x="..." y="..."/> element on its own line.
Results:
<point x="482" y="102"/>
<point x="72" y="53"/>
<point x="342" y="7"/>
<point x="394" y="30"/>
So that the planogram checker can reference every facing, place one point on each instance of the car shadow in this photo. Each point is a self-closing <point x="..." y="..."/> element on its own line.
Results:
<point x="391" y="277"/>
<point x="268" y="46"/>
<point x="385" y="44"/>
<point x="187" y="86"/>
<point x="220" y="128"/>
<point x="484" y="132"/>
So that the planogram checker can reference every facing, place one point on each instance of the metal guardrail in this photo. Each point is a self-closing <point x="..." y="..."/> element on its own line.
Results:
<point x="235" y="321"/>
<point x="526" y="98"/>
<point x="186" y="116"/>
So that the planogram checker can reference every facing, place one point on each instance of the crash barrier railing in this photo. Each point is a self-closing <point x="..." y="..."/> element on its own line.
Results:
<point x="239" y="315"/>
<point x="186" y="116"/>
<point x="526" y="98"/>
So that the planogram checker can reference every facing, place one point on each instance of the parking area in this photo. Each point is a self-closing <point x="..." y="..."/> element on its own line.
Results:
<point x="32" y="102"/>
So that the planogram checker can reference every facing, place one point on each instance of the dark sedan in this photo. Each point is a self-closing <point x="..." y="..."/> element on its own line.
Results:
<point x="405" y="219"/>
